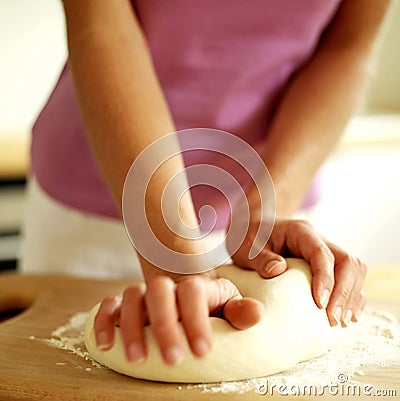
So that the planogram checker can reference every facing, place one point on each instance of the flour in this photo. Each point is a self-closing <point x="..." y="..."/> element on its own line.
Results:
<point x="374" y="341"/>
<point x="70" y="337"/>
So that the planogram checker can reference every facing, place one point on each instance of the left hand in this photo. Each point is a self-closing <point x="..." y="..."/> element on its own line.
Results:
<point x="337" y="276"/>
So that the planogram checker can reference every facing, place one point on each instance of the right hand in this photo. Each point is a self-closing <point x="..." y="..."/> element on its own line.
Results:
<point x="162" y="303"/>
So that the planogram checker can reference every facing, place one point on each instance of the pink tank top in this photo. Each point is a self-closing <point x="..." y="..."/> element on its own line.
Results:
<point x="221" y="64"/>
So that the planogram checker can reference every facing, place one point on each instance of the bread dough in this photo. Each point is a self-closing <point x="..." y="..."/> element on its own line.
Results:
<point x="292" y="329"/>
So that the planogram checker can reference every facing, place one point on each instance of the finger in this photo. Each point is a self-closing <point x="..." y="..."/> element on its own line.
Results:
<point x="361" y="306"/>
<point x="226" y="301"/>
<point x="345" y="279"/>
<point x="322" y="264"/>
<point x="355" y="300"/>
<point x="132" y="321"/>
<point x="268" y="264"/>
<point x="104" y="322"/>
<point x="162" y="312"/>
<point x="194" y="313"/>
<point x="305" y="242"/>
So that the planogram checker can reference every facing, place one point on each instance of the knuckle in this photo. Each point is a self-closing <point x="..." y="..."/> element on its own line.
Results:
<point x="302" y="224"/>
<point x="326" y="252"/>
<point x="344" y="293"/>
<point x="134" y="290"/>
<point x="328" y="256"/>
<point x="340" y="297"/>
<point x="227" y="287"/>
<point x="162" y="327"/>
<point x="356" y="264"/>
<point x="190" y="285"/>
<point x="224" y="283"/>
<point x="108" y="305"/>
<point x="106" y="310"/>
<point x="108" y="300"/>
<point x="159" y="283"/>
<point x="348" y="259"/>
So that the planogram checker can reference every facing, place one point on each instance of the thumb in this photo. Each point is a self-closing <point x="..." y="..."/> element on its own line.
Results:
<point x="242" y="313"/>
<point x="225" y="300"/>
<point x="271" y="264"/>
<point x="267" y="263"/>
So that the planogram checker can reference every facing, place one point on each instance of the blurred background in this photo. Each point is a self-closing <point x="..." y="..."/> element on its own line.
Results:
<point x="361" y="195"/>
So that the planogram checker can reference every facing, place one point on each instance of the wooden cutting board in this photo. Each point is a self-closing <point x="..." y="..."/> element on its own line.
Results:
<point x="32" y="370"/>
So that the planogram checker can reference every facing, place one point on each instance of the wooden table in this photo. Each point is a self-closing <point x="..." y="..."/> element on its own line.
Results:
<point x="32" y="370"/>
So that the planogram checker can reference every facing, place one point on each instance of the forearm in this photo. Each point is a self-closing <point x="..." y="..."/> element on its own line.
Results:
<point x="309" y="122"/>
<point x="319" y="101"/>
<point x="121" y="102"/>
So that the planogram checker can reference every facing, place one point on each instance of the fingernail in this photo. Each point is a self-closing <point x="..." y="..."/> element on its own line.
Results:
<point x="173" y="355"/>
<point x="201" y="347"/>
<point x="272" y="266"/>
<point x="103" y="340"/>
<point x="324" y="298"/>
<point x="135" y="352"/>
<point x="337" y="313"/>
<point x="347" y="317"/>
<point x="358" y="314"/>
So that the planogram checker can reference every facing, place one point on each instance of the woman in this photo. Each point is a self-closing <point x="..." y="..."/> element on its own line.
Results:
<point x="285" y="76"/>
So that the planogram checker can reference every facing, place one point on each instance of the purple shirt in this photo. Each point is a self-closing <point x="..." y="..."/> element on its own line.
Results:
<point x="221" y="64"/>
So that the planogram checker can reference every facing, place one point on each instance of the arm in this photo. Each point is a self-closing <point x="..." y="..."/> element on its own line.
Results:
<point x="320" y="100"/>
<point x="121" y="101"/>
<point x="124" y="110"/>
<point x="308" y="123"/>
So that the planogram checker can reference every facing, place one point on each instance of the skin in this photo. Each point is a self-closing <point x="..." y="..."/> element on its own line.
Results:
<point x="335" y="78"/>
<point x="124" y="110"/>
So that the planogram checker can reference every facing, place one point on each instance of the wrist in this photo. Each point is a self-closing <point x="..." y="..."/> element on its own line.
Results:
<point x="185" y="247"/>
<point x="150" y="271"/>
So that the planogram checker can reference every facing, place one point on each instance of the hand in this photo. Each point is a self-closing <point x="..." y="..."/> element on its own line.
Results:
<point x="162" y="303"/>
<point x="337" y="276"/>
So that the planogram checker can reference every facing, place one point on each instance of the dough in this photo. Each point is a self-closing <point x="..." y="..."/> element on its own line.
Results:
<point x="291" y="330"/>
